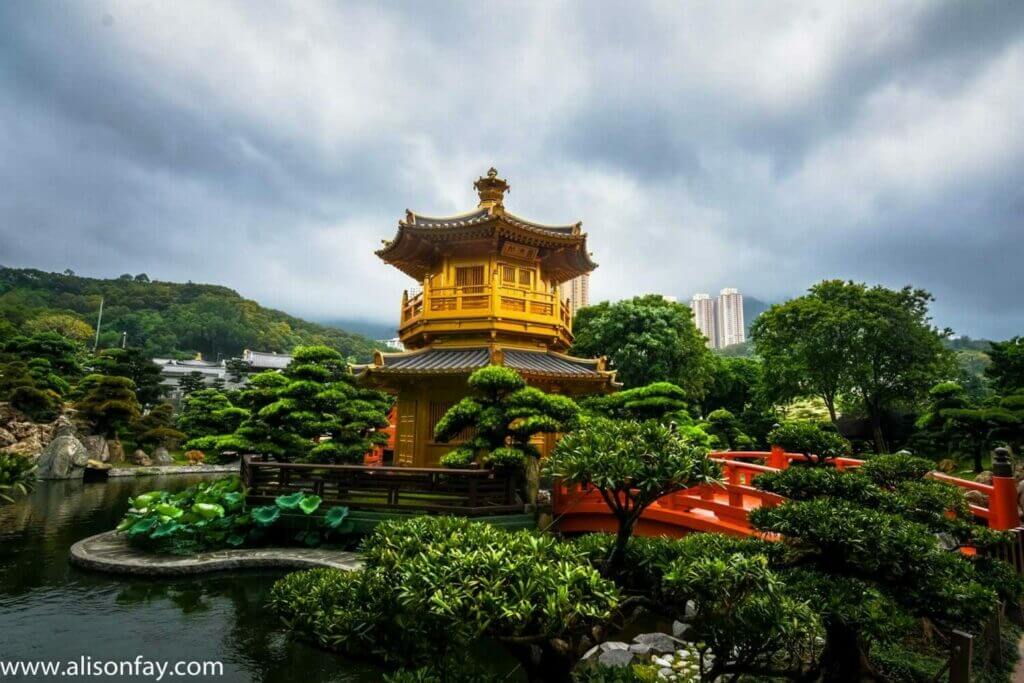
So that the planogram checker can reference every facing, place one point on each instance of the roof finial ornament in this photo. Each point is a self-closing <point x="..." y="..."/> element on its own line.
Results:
<point x="491" y="189"/>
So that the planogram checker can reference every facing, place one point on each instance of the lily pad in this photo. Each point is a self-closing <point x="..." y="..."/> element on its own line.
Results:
<point x="169" y="510"/>
<point x="143" y="526"/>
<point x="233" y="500"/>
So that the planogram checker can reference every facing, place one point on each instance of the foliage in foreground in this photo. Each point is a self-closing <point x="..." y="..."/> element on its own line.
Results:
<point x="432" y="585"/>
<point x="17" y="476"/>
<point x="818" y="444"/>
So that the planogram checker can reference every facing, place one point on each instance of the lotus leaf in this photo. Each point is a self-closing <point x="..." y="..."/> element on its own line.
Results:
<point x="309" y="504"/>
<point x="290" y="502"/>
<point x="336" y="516"/>
<point x="266" y="515"/>
<point x="169" y="510"/>
<point x="209" y="510"/>
<point x="143" y="526"/>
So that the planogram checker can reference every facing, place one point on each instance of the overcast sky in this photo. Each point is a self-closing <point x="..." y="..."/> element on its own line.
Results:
<point x="270" y="147"/>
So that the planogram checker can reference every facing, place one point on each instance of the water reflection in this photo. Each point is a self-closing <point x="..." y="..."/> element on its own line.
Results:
<point x="50" y="610"/>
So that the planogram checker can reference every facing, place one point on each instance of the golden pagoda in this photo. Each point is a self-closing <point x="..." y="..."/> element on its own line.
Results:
<point x="489" y="295"/>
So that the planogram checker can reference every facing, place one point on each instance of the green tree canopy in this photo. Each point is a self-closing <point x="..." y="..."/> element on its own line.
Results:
<point x="136" y="366"/>
<point x="875" y="344"/>
<point x="662" y="401"/>
<point x="108" y="403"/>
<point x="191" y="383"/>
<point x="1007" y="368"/>
<point x="631" y="464"/>
<point x="647" y="339"/>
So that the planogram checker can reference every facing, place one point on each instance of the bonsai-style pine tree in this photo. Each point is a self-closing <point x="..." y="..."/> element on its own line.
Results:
<point x="191" y="382"/>
<point x="107" y="403"/>
<point x="206" y="415"/>
<point x="155" y="427"/>
<point x="136" y="366"/>
<point x="662" y="401"/>
<point x="505" y="414"/>
<point x="313" y="411"/>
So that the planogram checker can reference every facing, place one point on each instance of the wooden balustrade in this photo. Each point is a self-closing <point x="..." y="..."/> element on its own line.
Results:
<point x="487" y="299"/>
<point x="397" y="489"/>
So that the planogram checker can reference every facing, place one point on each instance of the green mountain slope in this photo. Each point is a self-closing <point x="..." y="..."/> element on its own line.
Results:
<point x="163" y="318"/>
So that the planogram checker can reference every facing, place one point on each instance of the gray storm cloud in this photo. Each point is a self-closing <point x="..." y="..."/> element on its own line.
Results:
<point x="271" y="147"/>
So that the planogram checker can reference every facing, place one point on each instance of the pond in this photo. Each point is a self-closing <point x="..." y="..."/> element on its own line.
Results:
<point x="50" y="610"/>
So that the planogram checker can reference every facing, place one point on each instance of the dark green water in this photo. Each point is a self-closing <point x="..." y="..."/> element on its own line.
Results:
<point x="50" y="610"/>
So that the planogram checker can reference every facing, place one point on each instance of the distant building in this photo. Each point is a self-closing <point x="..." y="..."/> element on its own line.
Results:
<point x="173" y="370"/>
<point x="394" y="343"/>
<point x="703" y="307"/>
<point x="729" y="318"/>
<point x="577" y="292"/>
<point x="264" y="360"/>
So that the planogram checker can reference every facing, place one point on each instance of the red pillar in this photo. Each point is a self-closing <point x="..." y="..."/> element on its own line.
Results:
<point x="777" y="458"/>
<point x="1002" y="504"/>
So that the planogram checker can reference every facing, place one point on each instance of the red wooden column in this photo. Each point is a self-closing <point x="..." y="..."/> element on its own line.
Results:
<point x="777" y="458"/>
<point x="1002" y="505"/>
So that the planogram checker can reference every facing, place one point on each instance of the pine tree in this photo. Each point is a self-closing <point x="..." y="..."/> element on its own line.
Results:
<point x="108" y="403"/>
<point x="193" y="381"/>
<point x="505" y="414"/>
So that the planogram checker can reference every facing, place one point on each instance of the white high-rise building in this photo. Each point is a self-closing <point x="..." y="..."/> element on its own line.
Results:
<point x="577" y="292"/>
<point x="703" y="307"/>
<point x="729" y="318"/>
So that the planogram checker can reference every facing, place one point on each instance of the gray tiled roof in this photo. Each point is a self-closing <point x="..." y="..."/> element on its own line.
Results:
<point x="449" y="221"/>
<point x="546" y="363"/>
<point x="444" y="360"/>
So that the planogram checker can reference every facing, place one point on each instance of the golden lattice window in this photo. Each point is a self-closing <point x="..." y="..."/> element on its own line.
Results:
<point x="469" y="276"/>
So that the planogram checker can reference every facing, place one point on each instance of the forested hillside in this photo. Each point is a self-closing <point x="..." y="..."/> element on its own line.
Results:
<point x="162" y="318"/>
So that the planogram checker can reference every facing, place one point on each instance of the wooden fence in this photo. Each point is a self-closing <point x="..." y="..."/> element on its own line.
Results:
<point x="397" y="489"/>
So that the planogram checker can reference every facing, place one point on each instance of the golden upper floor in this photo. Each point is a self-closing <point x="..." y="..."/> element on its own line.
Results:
<point x="487" y="274"/>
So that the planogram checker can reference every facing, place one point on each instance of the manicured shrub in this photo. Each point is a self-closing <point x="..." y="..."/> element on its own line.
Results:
<point x="432" y="584"/>
<point x="810" y="439"/>
<point x="890" y="470"/>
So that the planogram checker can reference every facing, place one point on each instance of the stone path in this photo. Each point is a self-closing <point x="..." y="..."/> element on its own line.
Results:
<point x="110" y="552"/>
<point x="154" y="470"/>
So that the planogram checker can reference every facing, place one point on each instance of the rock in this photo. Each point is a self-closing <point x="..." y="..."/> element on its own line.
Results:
<point x="679" y="629"/>
<point x="613" y="645"/>
<point x="983" y="477"/>
<point x="27" y="447"/>
<point x="65" y="457"/>
<point x="97" y="447"/>
<point x="6" y="438"/>
<point x="139" y="457"/>
<point x="661" y="643"/>
<point x="690" y="610"/>
<point x="976" y="498"/>
<point x="613" y="658"/>
<point x="640" y="648"/>
<point x="116" y="451"/>
<point x="97" y="465"/>
<point x="162" y="457"/>
<point x="665" y="672"/>
<point x="592" y="652"/>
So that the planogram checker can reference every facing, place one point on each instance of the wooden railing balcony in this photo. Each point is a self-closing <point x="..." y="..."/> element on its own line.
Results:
<point x="476" y="303"/>
<point x="471" y="493"/>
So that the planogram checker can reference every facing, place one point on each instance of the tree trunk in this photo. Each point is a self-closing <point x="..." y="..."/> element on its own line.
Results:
<point x="979" y="453"/>
<point x="542" y="663"/>
<point x="876" y="431"/>
<point x="617" y="558"/>
<point x="830" y="403"/>
<point x="842" y="661"/>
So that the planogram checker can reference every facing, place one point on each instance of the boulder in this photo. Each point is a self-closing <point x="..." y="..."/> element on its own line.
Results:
<point x="162" y="457"/>
<point x="65" y="456"/>
<point x="97" y="447"/>
<point x="661" y="643"/>
<point x="616" y="658"/>
<point x="139" y="457"/>
<point x="6" y="438"/>
<point x="116" y="451"/>
<point x="983" y="477"/>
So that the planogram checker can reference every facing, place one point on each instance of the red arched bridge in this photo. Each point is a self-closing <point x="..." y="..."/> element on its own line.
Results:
<point x="725" y="507"/>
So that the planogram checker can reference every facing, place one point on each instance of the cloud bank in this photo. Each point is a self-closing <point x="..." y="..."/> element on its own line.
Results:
<point x="271" y="147"/>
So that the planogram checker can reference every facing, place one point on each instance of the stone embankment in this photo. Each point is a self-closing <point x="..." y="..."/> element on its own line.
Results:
<point x="110" y="552"/>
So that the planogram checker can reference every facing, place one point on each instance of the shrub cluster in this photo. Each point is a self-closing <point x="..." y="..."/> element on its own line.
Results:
<point x="17" y="474"/>
<point x="809" y="438"/>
